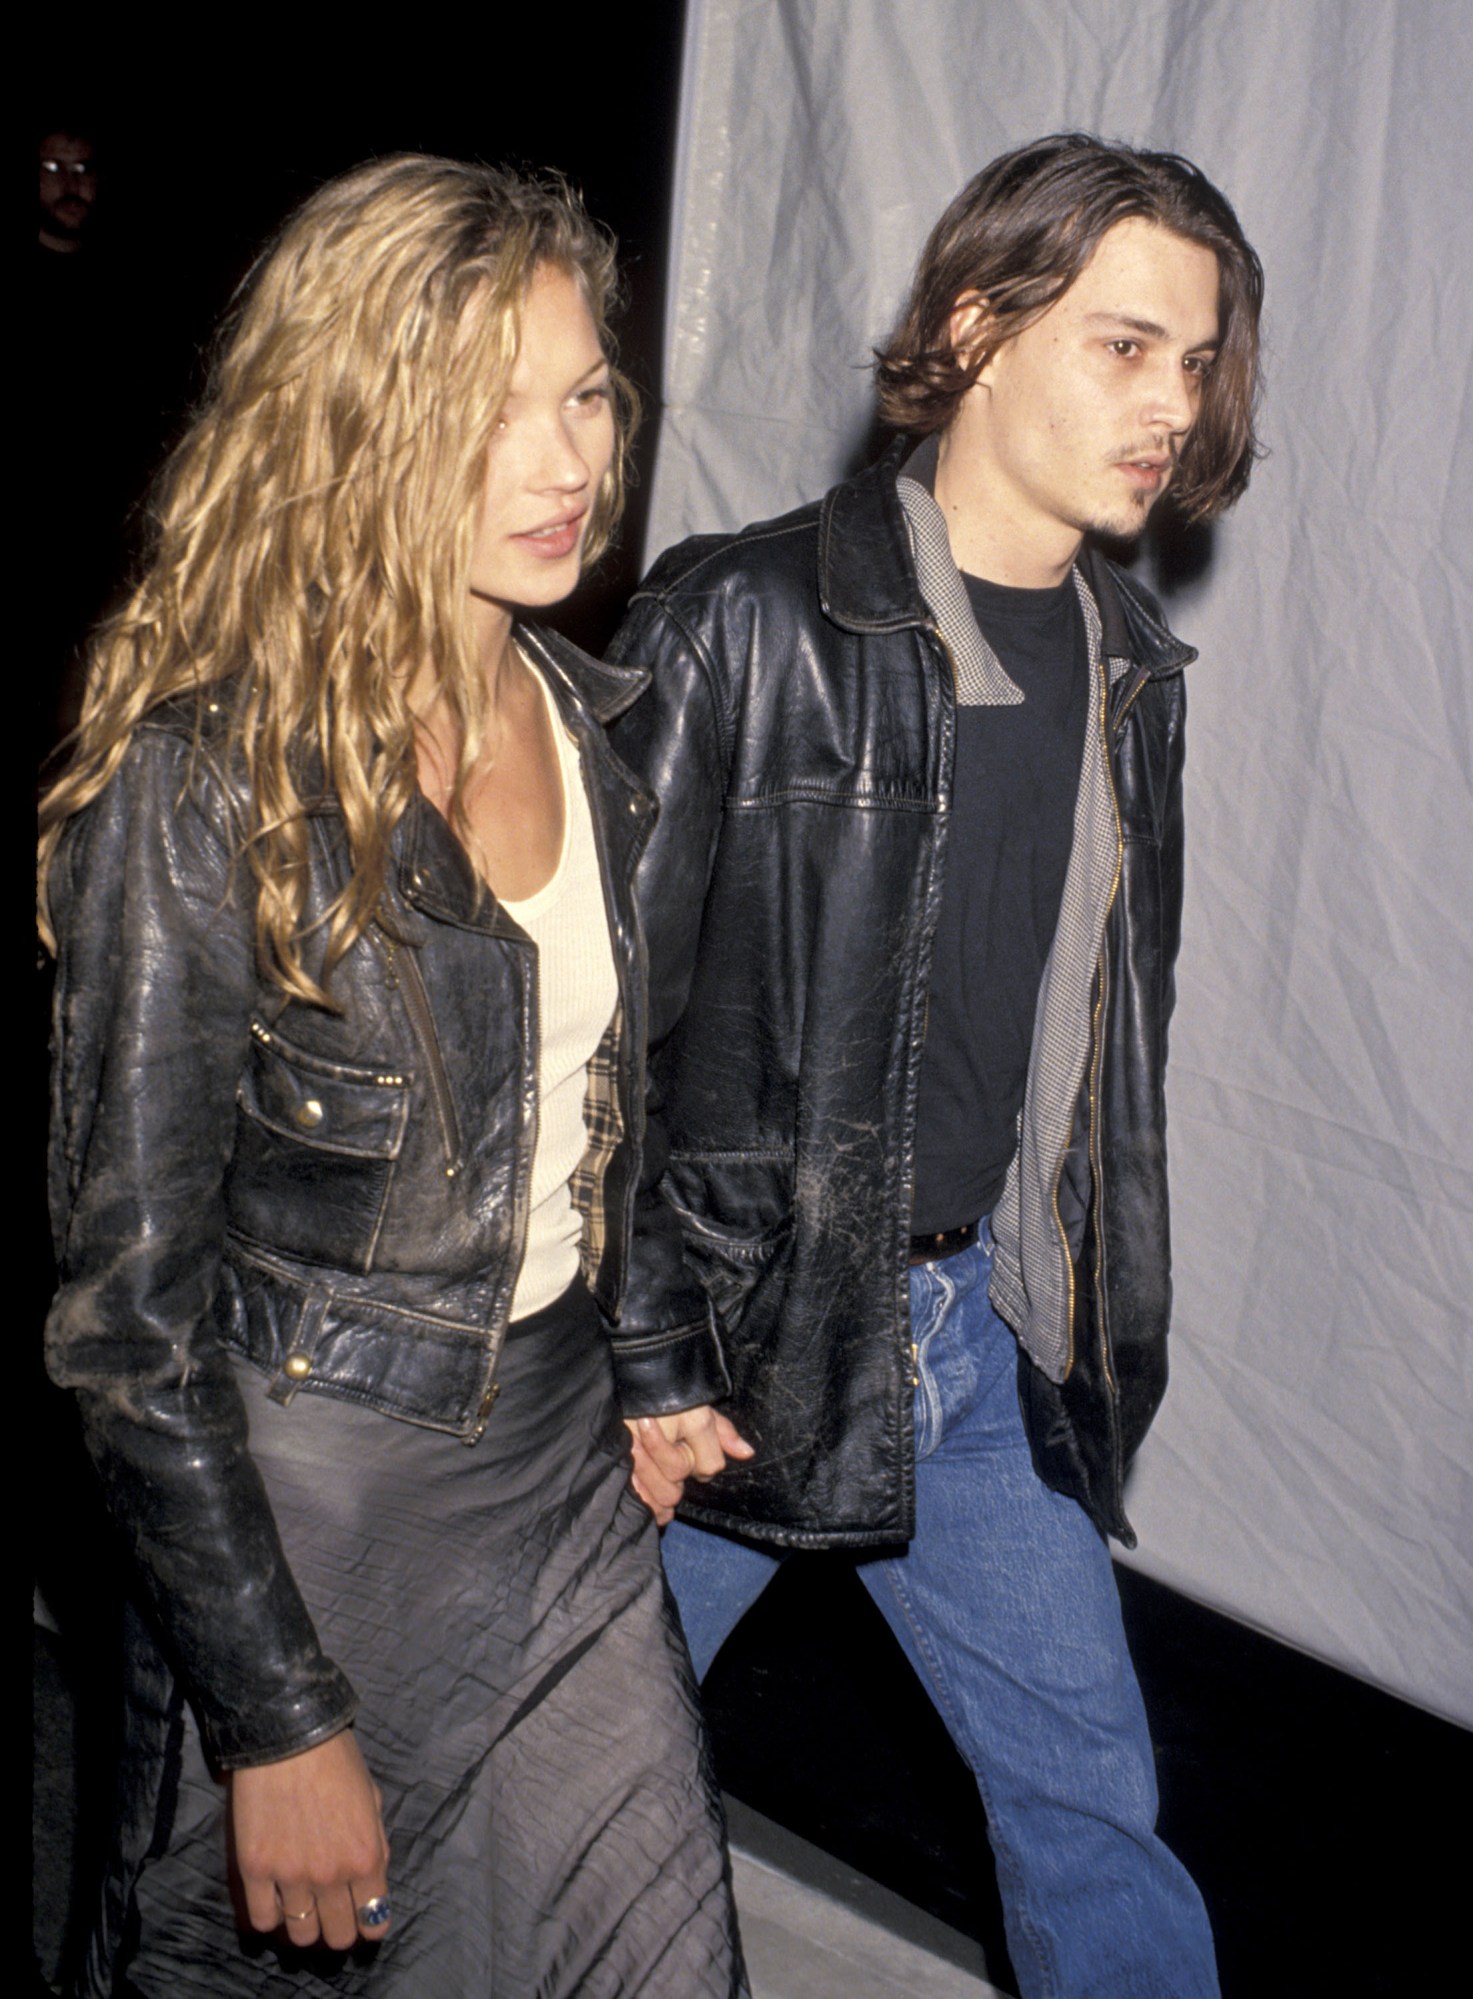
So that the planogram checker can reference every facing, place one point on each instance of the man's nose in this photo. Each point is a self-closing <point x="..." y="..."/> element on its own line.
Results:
<point x="1174" y="399"/>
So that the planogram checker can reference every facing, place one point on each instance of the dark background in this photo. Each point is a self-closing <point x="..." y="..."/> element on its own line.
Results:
<point x="1305" y="1802"/>
<point x="199" y="163"/>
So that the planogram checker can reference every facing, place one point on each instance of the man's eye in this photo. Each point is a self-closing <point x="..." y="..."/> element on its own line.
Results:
<point x="1126" y="349"/>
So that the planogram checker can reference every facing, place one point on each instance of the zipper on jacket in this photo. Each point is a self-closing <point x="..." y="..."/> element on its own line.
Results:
<point x="483" y="1414"/>
<point x="1128" y="700"/>
<point x="943" y="808"/>
<point x="407" y="979"/>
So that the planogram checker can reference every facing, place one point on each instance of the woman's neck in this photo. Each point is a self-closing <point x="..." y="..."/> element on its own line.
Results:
<point x="496" y="656"/>
<point x="491" y="632"/>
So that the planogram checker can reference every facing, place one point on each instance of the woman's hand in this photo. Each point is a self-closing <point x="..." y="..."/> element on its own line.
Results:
<point x="694" y="1443"/>
<point x="308" y="1835"/>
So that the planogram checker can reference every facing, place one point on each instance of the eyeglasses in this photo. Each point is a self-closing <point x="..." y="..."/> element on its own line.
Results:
<point x="73" y="169"/>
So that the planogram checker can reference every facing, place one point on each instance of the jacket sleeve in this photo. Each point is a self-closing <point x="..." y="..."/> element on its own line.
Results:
<point x="669" y="1352"/>
<point x="154" y="990"/>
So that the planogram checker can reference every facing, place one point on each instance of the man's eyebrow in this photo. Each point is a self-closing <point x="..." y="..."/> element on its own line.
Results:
<point x="1148" y="327"/>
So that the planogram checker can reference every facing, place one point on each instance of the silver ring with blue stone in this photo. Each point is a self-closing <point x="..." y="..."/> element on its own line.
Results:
<point x="375" y="1912"/>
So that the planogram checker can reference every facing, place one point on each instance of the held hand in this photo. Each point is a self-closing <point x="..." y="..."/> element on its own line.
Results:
<point x="309" y="1841"/>
<point x="693" y="1443"/>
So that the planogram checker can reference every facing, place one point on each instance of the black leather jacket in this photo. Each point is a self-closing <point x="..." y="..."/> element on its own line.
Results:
<point x="341" y="1197"/>
<point x="799" y="735"/>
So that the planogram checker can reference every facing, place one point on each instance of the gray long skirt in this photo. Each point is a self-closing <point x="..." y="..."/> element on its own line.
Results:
<point x="527" y="1708"/>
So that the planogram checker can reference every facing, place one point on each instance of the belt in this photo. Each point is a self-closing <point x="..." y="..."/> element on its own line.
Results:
<point x="943" y="1243"/>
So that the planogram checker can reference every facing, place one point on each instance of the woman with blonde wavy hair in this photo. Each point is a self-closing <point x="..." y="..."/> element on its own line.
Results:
<point x="347" y="1098"/>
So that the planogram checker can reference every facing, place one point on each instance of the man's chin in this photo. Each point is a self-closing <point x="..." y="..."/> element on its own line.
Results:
<point x="62" y="227"/>
<point x="1128" y="525"/>
<point x="1126" y="522"/>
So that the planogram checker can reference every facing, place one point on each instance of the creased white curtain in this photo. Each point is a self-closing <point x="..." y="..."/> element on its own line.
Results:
<point x="1310" y="1471"/>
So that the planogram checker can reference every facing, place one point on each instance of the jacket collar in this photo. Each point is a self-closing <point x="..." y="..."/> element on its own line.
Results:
<point x="435" y="872"/>
<point x="605" y="690"/>
<point x="867" y="579"/>
<point x="1133" y="627"/>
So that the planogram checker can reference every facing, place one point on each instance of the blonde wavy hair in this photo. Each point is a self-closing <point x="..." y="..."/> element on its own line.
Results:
<point x="311" y="536"/>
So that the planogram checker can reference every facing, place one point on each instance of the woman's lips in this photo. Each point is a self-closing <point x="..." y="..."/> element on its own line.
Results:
<point x="553" y="542"/>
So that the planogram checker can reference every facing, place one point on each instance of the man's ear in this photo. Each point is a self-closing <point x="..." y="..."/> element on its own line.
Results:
<point x="970" y="325"/>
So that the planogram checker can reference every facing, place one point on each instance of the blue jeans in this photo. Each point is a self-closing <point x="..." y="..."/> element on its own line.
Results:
<point x="1006" y="1606"/>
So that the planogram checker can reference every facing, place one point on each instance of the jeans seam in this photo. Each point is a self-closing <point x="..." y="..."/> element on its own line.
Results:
<point x="1001" y="1850"/>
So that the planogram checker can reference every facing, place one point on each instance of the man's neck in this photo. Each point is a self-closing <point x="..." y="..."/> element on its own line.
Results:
<point x="987" y="538"/>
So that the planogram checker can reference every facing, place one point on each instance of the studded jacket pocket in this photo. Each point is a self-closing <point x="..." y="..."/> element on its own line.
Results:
<point x="315" y="1147"/>
<point x="330" y="1105"/>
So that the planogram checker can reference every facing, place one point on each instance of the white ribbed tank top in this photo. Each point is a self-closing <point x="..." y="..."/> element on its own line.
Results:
<point x="577" y="990"/>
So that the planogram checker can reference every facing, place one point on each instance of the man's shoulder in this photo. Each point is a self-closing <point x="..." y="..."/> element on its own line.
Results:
<point x="845" y="559"/>
<point x="784" y="548"/>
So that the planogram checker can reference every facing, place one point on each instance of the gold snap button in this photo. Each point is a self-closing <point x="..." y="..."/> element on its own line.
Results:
<point x="309" y="1114"/>
<point x="297" y="1366"/>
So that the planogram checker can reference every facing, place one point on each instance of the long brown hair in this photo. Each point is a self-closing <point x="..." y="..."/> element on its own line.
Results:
<point x="1020" y="234"/>
<point x="311" y="535"/>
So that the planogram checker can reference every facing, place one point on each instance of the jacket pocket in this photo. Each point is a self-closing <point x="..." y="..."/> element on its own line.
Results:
<point x="737" y="1221"/>
<point x="304" y="1331"/>
<point x="315" y="1147"/>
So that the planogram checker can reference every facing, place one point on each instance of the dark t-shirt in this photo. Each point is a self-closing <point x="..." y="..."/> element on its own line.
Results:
<point x="1012" y="824"/>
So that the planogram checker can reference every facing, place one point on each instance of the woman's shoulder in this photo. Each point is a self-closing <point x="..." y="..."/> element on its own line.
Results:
<point x="180" y="769"/>
<point x="197" y="722"/>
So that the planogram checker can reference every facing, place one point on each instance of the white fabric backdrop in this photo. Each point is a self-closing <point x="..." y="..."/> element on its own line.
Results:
<point x="1312" y="1467"/>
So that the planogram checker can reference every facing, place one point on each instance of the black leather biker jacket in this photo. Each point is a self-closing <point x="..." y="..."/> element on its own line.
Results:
<point x="338" y="1197"/>
<point x="799" y="736"/>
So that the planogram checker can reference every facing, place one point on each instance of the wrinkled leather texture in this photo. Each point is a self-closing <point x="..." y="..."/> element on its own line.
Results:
<point x="339" y="1196"/>
<point x="799" y="734"/>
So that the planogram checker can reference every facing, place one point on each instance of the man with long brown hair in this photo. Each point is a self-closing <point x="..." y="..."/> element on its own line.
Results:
<point x="913" y="908"/>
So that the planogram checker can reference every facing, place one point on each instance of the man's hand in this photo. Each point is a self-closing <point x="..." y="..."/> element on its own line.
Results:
<point x="694" y="1443"/>
<point x="308" y="1835"/>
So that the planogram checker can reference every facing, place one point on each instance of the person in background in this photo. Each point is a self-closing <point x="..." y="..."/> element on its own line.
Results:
<point x="68" y="171"/>
<point x="93" y="405"/>
<point x="347" y="1093"/>
<point x="913" y="907"/>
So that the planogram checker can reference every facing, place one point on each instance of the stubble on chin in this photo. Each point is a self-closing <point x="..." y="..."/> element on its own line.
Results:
<point x="1126" y="521"/>
<point x="1128" y="524"/>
